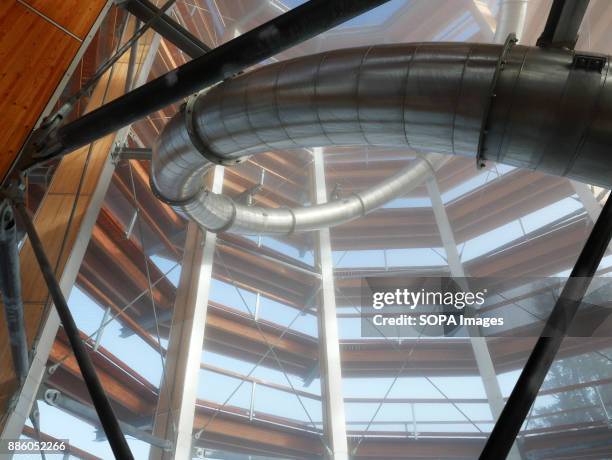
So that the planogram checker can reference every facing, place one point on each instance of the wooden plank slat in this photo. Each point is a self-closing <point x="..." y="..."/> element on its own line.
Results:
<point x="34" y="55"/>
<point x="74" y="15"/>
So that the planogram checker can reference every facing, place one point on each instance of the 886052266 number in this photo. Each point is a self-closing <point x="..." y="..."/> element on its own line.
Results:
<point x="29" y="446"/>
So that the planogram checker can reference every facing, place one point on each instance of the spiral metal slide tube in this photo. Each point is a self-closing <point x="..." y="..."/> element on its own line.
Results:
<point x="378" y="96"/>
<point x="511" y="19"/>
<point x="541" y="109"/>
<point x="512" y="14"/>
<point x="218" y="212"/>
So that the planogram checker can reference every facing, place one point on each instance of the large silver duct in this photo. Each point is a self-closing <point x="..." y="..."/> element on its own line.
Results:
<point x="542" y="109"/>
<point x="511" y="19"/>
<point x="178" y="168"/>
<point x="242" y="219"/>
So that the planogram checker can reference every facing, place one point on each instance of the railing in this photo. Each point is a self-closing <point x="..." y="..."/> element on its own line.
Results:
<point x="413" y="427"/>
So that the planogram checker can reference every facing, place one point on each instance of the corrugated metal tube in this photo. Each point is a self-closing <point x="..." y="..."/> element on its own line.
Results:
<point x="534" y="108"/>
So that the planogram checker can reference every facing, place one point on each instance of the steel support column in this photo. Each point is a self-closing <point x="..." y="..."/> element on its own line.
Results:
<point x="334" y="422"/>
<point x="178" y="395"/>
<point x="486" y="369"/>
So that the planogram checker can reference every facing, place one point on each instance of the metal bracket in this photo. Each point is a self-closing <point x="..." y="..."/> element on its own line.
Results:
<point x="196" y="140"/>
<point x="6" y="218"/>
<point x="52" y="396"/>
<point x="312" y="374"/>
<point x="589" y="62"/>
<point x="54" y="367"/>
<point x="246" y="197"/>
<point x="44" y="142"/>
<point x="116" y="153"/>
<point x="511" y="40"/>
<point x="336" y="193"/>
<point x="199" y="452"/>
<point x="14" y="189"/>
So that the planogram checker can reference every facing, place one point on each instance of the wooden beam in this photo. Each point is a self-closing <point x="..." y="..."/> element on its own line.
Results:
<point x="123" y="393"/>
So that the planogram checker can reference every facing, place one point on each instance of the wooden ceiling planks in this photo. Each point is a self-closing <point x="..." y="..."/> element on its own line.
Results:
<point x="39" y="39"/>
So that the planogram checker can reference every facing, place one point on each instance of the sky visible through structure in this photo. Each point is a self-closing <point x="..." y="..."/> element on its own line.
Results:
<point x="141" y="357"/>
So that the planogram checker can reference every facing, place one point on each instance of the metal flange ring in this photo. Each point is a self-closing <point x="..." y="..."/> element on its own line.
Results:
<point x="169" y="201"/>
<point x="511" y="40"/>
<point x="196" y="140"/>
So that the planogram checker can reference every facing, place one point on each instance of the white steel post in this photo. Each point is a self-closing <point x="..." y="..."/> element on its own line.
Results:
<point x="479" y="344"/>
<point x="334" y="422"/>
<point x="178" y="395"/>
<point x="588" y="200"/>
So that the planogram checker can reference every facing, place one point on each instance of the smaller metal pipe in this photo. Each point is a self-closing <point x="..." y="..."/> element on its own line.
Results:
<point x="107" y="416"/>
<point x="511" y="19"/>
<point x="528" y="385"/>
<point x="564" y="19"/>
<point x="10" y="285"/>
